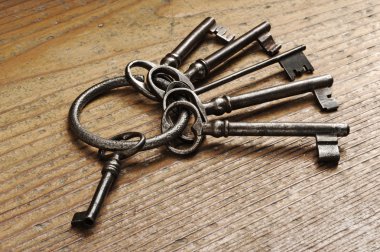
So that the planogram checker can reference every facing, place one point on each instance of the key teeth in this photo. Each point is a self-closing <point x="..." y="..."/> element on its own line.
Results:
<point x="326" y="102"/>
<point x="267" y="42"/>
<point x="296" y="65"/>
<point x="222" y="33"/>
<point x="328" y="150"/>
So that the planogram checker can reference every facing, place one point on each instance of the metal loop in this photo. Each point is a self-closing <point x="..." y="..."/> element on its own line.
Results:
<point x="196" y="127"/>
<point x="117" y="145"/>
<point x="140" y="86"/>
<point x="174" y="74"/>
<point x="125" y="136"/>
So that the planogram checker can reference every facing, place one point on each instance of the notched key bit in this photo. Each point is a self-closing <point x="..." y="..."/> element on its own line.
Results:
<point x="296" y="63"/>
<point x="222" y="33"/>
<point x="267" y="42"/>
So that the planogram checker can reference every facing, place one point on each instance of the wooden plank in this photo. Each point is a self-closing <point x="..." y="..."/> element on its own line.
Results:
<point x="236" y="194"/>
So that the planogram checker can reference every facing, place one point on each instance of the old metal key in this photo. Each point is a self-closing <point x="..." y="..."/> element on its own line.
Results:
<point x="293" y="61"/>
<point x="326" y="134"/>
<point x="176" y="57"/>
<point x="202" y="67"/>
<point x="110" y="172"/>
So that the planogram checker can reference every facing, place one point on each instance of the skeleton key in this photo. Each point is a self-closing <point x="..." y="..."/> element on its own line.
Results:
<point x="293" y="61"/>
<point x="226" y="104"/>
<point x="202" y="67"/>
<point x="326" y="134"/>
<point x="176" y="57"/>
<point x="320" y="86"/>
<point x="110" y="172"/>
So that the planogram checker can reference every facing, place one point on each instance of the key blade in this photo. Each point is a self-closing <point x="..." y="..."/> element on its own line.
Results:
<point x="222" y="33"/>
<point x="326" y="102"/>
<point x="328" y="150"/>
<point x="267" y="42"/>
<point x="296" y="64"/>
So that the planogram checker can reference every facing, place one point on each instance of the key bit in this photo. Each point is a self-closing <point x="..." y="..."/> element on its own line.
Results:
<point x="267" y="42"/>
<point x="222" y="33"/>
<point x="296" y="63"/>
<point x="110" y="172"/>
<point x="327" y="146"/>
<point x="326" y="102"/>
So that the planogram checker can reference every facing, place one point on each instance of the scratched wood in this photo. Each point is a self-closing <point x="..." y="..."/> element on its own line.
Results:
<point x="236" y="194"/>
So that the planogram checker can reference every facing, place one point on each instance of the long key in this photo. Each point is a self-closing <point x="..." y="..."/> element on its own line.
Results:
<point x="202" y="67"/>
<point x="326" y="134"/>
<point x="293" y="61"/>
<point x="226" y="104"/>
<point x="209" y="25"/>
<point x="320" y="86"/>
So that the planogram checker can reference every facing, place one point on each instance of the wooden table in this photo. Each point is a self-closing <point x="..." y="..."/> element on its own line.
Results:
<point x="236" y="194"/>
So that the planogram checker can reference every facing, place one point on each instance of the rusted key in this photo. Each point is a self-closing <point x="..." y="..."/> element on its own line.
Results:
<point x="326" y="134"/>
<point x="293" y="61"/>
<point x="176" y="57"/>
<point x="202" y="67"/>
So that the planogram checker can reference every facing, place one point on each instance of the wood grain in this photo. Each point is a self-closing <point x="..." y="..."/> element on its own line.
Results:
<point x="236" y="194"/>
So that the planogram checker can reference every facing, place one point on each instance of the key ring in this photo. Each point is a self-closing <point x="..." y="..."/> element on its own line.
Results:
<point x="117" y="145"/>
<point x="172" y="73"/>
<point x="196" y="128"/>
<point x="140" y="86"/>
<point x="125" y="136"/>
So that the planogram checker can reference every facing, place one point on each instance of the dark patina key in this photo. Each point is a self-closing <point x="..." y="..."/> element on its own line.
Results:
<point x="176" y="57"/>
<point x="293" y="61"/>
<point x="110" y="172"/>
<point x="326" y="134"/>
<point x="209" y="25"/>
<point x="202" y="67"/>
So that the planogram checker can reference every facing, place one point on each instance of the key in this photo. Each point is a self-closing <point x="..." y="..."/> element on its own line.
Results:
<point x="209" y="25"/>
<point x="202" y="67"/>
<point x="176" y="57"/>
<point x="320" y="87"/>
<point x="293" y="61"/>
<point x="110" y="172"/>
<point x="226" y="104"/>
<point x="326" y="134"/>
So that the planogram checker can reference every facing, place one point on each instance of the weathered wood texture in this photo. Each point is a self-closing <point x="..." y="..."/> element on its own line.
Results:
<point x="241" y="193"/>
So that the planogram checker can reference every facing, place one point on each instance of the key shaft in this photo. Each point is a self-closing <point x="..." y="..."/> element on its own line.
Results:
<point x="195" y="37"/>
<point x="201" y="68"/>
<point x="250" y="69"/>
<point x="225" y="128"/>
<point x="110" y="172"/>
<point x="225" y="104"/>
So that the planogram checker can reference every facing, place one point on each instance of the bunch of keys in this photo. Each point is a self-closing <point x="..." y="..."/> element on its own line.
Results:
<point x="178" y="95"/>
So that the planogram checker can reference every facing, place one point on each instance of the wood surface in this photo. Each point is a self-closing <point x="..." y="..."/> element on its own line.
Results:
<point x="236" y="194"/>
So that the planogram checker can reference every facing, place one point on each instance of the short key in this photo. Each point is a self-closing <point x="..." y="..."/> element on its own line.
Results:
<point x="176" y="57"/>
<point x="201" y="68"/>
<point x="326" y="134"/>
